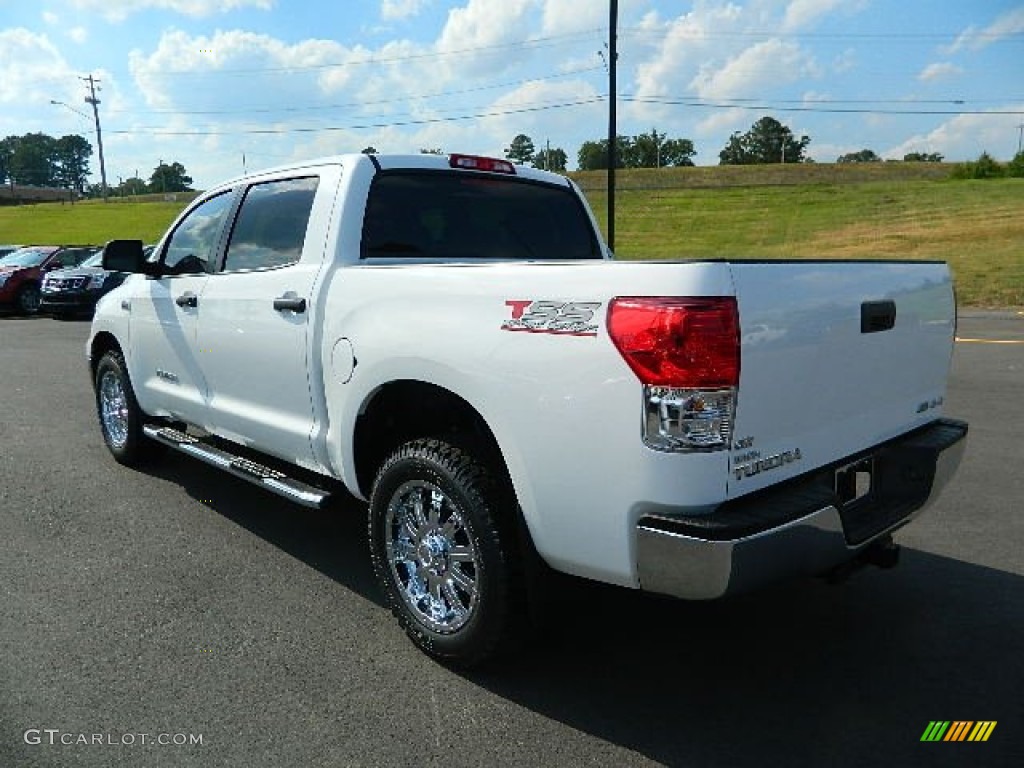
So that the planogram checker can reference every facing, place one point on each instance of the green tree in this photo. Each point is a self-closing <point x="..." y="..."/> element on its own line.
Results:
<point x="169" y="178"/>
<point x="72" y="155"/>
<point x="521" y="150"/>
<point x="678" y="152"/>
<point x="656" y="150"/>
<point x="593" y="155"/>
<point x="1015" y="168"/>
<point x="767" y="141"/>
<point x="551" y="160"/>
<point x="33" y="160"/>
<point x="863" y="156"/>
<point x="6" y="154"/>
<point x="922" y="157"/>
<point x="985" y="167"/>
<point x="132" y="186"/>
<point x="429" y="151"/>
<point x="371" y="150"/>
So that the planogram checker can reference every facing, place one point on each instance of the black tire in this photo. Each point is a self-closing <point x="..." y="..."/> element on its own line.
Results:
<point x="28" y="299"/>
<point x="465" y="537"/>
<point x="120" y="417"/>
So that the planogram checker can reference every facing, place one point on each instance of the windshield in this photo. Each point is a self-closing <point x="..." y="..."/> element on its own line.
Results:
<point x="96" y="260"/>
<point x="26" y="257"/>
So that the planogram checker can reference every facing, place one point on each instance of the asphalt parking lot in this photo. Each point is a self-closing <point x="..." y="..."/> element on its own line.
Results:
<point x="183" y="603"/>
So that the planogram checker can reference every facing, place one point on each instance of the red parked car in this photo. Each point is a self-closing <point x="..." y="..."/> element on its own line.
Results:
<point x="22" y="272"/>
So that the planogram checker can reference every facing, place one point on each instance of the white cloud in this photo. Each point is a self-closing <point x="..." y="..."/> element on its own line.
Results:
<point x="31" y="67"/>
<point x="760" y="66"/>
<point x="686" y="41"/>
<point x="964" y="137"/>
<point x="546" y="123"/>
<point x="803" y="13"/>
<point x="940" y="70"/>
<point x="234" y="69"/>
<point x="486" y="23"/>
<point x="51" y="18"/>
<point x="78" y="34"/>
<point x="724" y="122"/>
<point x="567" y="16"/>
<point x="398" y="10"/>
<point x="118" y="10"/>
<point x="1010" y="23"/>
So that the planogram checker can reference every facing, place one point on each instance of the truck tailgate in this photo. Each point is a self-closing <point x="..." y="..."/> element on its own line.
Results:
<point x="836" y="357"/>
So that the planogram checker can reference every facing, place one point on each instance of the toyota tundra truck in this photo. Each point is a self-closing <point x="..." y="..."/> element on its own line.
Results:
<point x="449" y="340"/>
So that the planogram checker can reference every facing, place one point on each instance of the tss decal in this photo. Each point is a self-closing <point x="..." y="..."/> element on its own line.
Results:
<point x="569" y="318"/>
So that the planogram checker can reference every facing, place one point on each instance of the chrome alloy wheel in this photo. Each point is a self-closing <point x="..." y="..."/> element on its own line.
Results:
<point x="114" y="409"/>
<point x="432" y="557"/>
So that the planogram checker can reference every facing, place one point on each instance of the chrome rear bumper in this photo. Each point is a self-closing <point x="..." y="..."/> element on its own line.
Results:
<point x="709" y="556"/>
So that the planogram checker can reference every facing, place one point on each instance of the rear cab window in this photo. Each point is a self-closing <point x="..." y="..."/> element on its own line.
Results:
<point x="460" y="216"/>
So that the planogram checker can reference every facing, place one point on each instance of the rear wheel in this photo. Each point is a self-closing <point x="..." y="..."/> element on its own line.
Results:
<point x="439" y="552"/>
<point x="120" y="418"/>
<point x="28" y="299"/>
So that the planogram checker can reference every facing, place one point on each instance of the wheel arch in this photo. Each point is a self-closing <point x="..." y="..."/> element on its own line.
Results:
<point x="405" y="409"/>
<point x="101" y="343"/>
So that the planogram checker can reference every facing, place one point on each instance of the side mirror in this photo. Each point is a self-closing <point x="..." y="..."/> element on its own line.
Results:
<point x="124" y="256"/>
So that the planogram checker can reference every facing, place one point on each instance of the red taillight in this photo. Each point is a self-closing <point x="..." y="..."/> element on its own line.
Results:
<point x="689" y="343"/>
<point x="474" y="163"/>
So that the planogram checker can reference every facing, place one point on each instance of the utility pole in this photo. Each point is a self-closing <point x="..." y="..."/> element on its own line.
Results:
<point x="91" y="99"/>
<point x="613" y="61"/>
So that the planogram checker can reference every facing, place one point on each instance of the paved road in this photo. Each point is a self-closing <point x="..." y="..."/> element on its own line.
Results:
<point x="180" y="601"/>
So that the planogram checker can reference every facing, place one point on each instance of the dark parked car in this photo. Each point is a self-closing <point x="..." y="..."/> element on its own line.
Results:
<point x="22" y="272"/>
<point x="76" y="290"/>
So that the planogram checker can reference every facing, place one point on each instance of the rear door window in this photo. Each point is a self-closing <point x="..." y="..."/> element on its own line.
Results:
<point x="464" y="216"/>
<point x="270" y="229"/>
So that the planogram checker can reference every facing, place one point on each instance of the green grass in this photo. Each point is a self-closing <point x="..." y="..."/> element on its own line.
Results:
<point x="856" y="211"/>
<point x="90" y="222"/>
<point x="976" y="226"/>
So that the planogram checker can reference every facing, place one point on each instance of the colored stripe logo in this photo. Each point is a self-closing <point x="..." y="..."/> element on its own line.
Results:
<point x="958" y="730"/>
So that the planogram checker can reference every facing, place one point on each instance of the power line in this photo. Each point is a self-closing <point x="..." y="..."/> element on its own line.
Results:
<point x="393" y="124"/>
<point x="842" y="36"/>
<point x="537" y="42"/>
<point x="350" y="105"/>
<point x="767" y="106"/>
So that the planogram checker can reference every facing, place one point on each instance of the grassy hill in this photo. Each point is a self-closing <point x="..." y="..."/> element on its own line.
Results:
<point x="976" y="226"/>
<point x="88" y="221"/>
<point x="862" y="211"/>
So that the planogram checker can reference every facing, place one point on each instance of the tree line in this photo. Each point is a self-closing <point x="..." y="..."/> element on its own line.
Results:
<point x="767" y="141"/>
<point x="40" y="160"/>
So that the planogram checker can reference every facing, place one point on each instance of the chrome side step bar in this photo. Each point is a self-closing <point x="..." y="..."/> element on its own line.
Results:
<point x="265" y="477"/>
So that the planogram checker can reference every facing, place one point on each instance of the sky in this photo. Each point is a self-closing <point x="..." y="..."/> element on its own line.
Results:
<point x="227" y="86"/>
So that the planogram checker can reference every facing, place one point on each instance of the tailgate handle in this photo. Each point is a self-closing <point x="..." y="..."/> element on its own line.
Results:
<point x="877" y="316"/>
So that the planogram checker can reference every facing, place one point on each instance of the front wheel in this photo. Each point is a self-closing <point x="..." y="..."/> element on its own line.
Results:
<point x="120" y="417"/>
<point x="28" y="299"/>
<point x="438" y="551"/>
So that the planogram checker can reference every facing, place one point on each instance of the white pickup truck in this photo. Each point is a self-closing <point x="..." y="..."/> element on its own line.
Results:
<point x="450" y="339"/>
